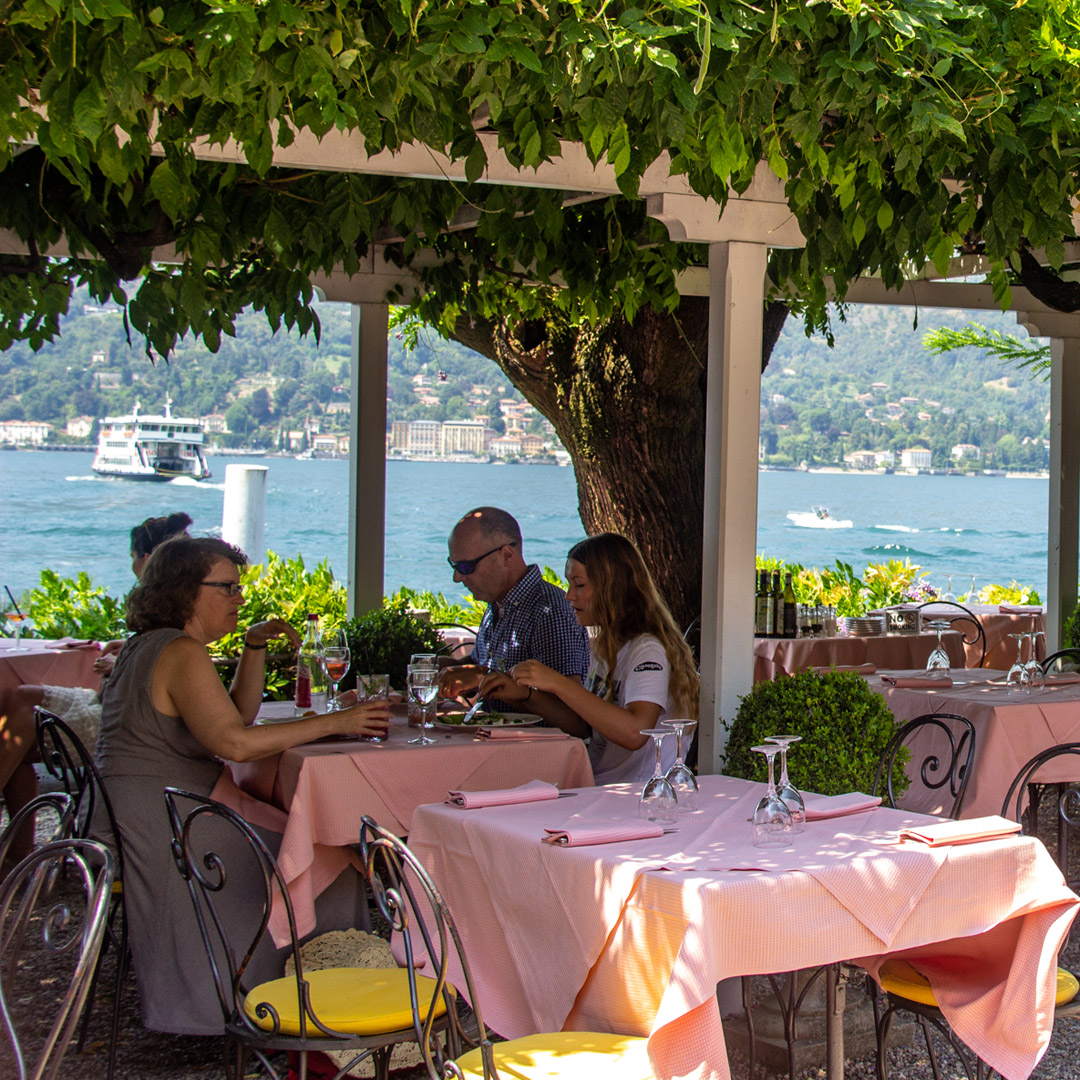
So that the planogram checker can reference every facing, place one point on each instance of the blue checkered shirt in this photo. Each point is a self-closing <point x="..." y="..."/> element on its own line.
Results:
<point x="536" y="622"/>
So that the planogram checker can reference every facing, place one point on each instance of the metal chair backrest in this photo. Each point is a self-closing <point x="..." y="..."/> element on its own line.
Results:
<point x="452" y="647"/>
<point x="67" y="913"/>
<point x="1062" y="660"/>
<point x="408" y="899"/>
<point x="210" y="842"/>
<point x="59" y="802"/>
<point x="973" y="635"/>
<point x="66" y="758"/>
<point x="692" y="637"/>
<point x="949" y="760"/>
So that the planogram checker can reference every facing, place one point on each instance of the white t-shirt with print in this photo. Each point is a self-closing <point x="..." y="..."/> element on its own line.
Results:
<point x="641" y="674"/>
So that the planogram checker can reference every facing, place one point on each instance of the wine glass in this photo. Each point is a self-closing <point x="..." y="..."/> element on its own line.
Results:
<point x="787" y="791"/>
<point x="18" y="621"/>
<point x="972" y="598"/>
<point x="772" y="824"/>
<point x="335" y="661"/>
<point x="939" y="658"/>
<point x="658" y="800"/>
<point x="680" y="776"/>
<point x="1033" y="668"/>
<point x="423" y="688"/>
<point x="950" y="596"/>
<point x="1017" y="677"/>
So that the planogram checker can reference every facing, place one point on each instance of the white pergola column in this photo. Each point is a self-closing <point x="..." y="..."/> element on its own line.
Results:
<point x="732" y="407"/>
<point x="367" y="457"/>
<point x="1063" y="512"/>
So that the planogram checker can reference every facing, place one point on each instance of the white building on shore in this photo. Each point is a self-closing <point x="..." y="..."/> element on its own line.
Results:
<point x="24" y="432"/>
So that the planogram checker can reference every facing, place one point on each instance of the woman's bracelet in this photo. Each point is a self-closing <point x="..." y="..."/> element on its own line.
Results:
<point x="254" y="648"/>
<point x="529" y="694"/>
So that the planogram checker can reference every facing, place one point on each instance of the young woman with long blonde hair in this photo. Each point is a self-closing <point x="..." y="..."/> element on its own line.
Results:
<point x="642" y="670"/>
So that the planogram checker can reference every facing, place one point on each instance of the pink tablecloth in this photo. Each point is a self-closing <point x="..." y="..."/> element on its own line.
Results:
<point x="786" y="656"/>
<point x="1010" y="729"/>
<point x="1000" y="648"/>
<point x="327" y="787"/>
<point x="36" y="663"/>
<point x="633" y="938"/>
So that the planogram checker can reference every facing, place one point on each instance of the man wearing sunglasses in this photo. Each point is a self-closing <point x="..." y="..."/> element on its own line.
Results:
<point x="527" y="618"/>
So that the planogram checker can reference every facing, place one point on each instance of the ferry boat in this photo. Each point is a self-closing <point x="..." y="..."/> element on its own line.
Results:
<point x="150" y="447"/>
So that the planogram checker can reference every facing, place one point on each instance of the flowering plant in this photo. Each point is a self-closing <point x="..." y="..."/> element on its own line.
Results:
<point x="919" y="592"/>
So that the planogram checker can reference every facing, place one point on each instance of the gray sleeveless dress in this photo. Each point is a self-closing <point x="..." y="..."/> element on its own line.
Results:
<point x="140" y="752"/>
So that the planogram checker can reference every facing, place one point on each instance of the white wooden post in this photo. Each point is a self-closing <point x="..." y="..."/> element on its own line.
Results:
<point x="367" y="457"/>
<point x="732" y="406"/>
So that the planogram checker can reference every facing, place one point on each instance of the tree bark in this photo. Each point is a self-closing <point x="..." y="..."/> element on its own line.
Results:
<point x="628" y="403"/>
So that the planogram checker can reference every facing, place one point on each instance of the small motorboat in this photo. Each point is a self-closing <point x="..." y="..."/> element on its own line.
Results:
<point x="817" y="517"/>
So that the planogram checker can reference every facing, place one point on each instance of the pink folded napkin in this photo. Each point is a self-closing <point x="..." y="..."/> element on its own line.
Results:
<point x="917" y="682"/>
<point x="1020" y="609"/>
<point x="603" y="832"/>
<point x="521" y="733"/>
<point x="861" y="669"/>
<point x="969" y="831"/>
<point x="533" y="791"/>
<point x="1061" y="678"/>
<point x="72" y="643"/>
<point x="819" y="807"/>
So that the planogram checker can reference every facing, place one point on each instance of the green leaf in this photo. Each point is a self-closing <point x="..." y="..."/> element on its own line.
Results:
<point x="884" y="216"/>
<point x="168" y="189"/>
<point x="476" y="162"/>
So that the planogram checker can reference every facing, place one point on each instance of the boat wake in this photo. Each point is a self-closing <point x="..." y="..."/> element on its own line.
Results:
<point x="190" y="481"/>
<point x="812" y="519"/>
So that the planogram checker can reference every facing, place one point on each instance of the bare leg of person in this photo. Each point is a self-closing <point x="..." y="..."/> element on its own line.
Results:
<point x="18" y="751"/>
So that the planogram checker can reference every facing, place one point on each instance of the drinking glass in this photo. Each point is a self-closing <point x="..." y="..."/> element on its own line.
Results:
<point x="680" y="776"/>
<point x="336" y="660"/>
<point x="423" y="659"/>
<point x="415" y="709"/>
<point x="424" y="688"/>
<point x="972" y="598"/>
<point x="1033" y="668"/>
<point x="787" y="791"/>
<point x="939" y="658"/>
<point x="658" y="800"/>
<point x="371" y="687"/>
<point x="772" y="824"/>
<point x="17" y="622"/>
<point x="1017" y="676"/>
<point x="949" y="596"/>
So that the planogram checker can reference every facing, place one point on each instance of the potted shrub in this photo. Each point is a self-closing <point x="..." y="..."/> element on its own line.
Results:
<point x="844" y="725"/>
<point x="384" y="639"/>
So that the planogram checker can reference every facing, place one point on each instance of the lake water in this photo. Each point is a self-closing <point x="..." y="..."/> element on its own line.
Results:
<point x="59" y="515"/>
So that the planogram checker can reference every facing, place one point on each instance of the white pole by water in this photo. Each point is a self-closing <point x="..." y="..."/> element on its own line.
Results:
<point x="243" y="515"/>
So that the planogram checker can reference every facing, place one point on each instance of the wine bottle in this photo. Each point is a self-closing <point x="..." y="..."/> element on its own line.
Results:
<point x="777" y="605"/>
<point x="790" y="608"/>
<point x="761" y="607"/>
<point x="310" y="674"/>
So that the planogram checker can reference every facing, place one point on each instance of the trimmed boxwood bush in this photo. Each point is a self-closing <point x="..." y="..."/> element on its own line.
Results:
<point x="384" y="639"/>
<point x="844" y="725"/>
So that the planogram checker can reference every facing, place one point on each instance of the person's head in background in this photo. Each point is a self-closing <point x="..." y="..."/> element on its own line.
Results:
<point x="153" y="531"/>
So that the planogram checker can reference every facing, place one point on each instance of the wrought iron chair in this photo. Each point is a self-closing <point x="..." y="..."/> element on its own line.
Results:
<point x="1062" y="660"/>
<point x="908" y="991"/>
<point x="66" y="758"/>
<point x="949" y="760"/>
<point x="58" y="896"/>
<point x="363" y="1009"/>
<point x="973" y="632"/>
<point x="450" y="648"/>
<point x="57" y="801"/>
<point x="410" y="901"/>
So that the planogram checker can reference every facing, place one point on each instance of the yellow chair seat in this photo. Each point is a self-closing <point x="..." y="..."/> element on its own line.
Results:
<point x="900" y="978"/>
<point x="359" y="1001"/>
<point x="568" y="1055"/>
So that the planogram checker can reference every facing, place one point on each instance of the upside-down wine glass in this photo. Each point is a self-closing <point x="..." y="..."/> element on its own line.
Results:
<point x="1033" y="667"/>
<point x="787" y="791"/>
<point x="658" y="800"/>
<point x="950" y="596"/>
<point x="336" y="660"/>
<point x="680" y="775"/>
<point x="1017" y="678"/>
<point x="423" y="688"/>
<point x="939" y="658"/>
<point x="771" y="824"/>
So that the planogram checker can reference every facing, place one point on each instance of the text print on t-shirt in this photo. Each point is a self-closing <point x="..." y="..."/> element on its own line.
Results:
<point x="595" y="686"/>
<point x="649" y="666"/>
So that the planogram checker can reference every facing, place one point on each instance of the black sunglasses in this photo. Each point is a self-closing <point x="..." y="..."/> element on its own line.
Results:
<point x="465" y="567"/>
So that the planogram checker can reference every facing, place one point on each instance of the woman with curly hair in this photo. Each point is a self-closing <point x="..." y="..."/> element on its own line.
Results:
<point x="642" y="670"/>
<point x="167" y="719"/>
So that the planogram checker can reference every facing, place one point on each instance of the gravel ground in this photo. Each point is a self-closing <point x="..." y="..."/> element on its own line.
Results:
<point x="147" y="1055"/>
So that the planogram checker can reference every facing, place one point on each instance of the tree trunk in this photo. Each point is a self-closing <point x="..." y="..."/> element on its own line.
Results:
<point x="628" y="403"/>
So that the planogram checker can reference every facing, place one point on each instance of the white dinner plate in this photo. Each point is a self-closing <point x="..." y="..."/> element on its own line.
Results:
<point x="508" y="719"/>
